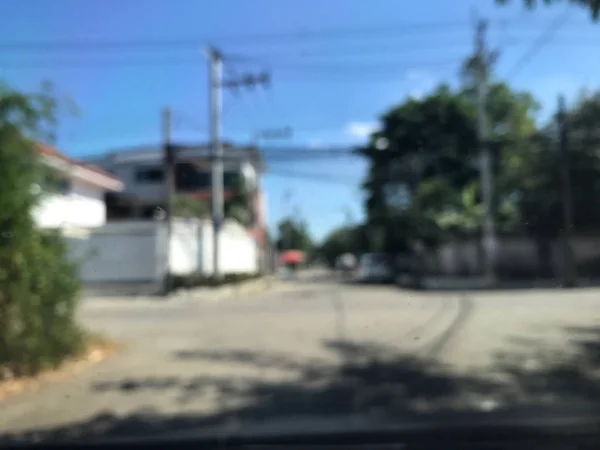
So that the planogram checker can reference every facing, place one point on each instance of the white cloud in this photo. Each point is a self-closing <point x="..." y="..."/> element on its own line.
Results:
<point x="361" y="129"/>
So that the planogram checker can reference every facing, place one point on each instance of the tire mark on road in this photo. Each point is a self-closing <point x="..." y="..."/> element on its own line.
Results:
<point x="419" y="329"/>
<point x="465" y="309"/>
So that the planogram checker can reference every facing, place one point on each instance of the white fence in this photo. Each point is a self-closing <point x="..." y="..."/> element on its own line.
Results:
<point x="135" y="251"/>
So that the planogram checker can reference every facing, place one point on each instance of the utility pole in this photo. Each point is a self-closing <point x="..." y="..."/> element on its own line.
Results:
<point x="217" y="83"/>
<point x="569" y="275"/>
<point x="482" y="61"/>
<point x="215" y="77"/>
<point x="169" y="176"/>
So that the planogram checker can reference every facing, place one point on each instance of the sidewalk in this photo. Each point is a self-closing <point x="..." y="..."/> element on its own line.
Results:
<point x="267" y="284"/>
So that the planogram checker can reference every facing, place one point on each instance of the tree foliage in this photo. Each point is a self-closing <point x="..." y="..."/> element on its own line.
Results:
<point x="293" y="234"/>
<point x="238" y="205"/>
<point x="592" y="5"/>
<point x="38" y="283"/>
<point x="425" y="185"/>
<point x="347" y="239"/>
<point x="188" y="206"/>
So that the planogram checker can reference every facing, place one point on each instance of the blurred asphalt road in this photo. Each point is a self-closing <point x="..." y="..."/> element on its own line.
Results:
<point x="320" y="348"/>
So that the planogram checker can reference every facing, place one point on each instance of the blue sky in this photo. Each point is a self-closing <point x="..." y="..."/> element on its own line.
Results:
<point x="329" y="86"/>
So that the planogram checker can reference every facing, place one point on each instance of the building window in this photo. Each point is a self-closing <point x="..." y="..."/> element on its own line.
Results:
<point x="149" y="175"/>
<point x="190" y="177"/>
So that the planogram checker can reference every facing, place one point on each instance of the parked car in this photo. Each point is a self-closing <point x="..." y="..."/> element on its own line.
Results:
<point x="408" y="270"/>
<point x="374" y="267"/>
<point x="346" y="265"/>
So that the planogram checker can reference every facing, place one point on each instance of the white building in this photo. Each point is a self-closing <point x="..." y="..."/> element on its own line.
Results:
<point x="141" y="169"/>
<point x="78" y="199"/>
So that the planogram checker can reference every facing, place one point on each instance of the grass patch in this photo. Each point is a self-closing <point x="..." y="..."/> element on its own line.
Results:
<point x="96" y="349"/>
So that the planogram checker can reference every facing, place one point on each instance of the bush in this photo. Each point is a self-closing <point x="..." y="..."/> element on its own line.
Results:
<point x="40" y="330"/>
<point x="199" y="280"/>
<point x="38" y="285"/>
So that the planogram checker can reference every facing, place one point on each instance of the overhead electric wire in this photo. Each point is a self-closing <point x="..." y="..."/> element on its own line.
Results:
<point x="376" y="50"/>
<point x="328" y="66"/>
<point x="539" y="43"/>
<point x="193" y="42"/>
<point x="321" y="178"/>
<point x="100" y="45"/>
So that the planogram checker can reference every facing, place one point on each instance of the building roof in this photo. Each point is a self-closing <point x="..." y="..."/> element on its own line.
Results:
<point x="90" y="173"/>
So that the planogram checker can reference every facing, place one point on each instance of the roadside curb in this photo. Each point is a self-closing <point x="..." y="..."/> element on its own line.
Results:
<point x="95" y="355"/>
<point x="228" y="292"/>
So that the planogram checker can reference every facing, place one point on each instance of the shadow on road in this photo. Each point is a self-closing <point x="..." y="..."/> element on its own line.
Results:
<point x="370" y="380"/>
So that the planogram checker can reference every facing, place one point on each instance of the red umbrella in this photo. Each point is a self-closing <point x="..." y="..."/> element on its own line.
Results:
<point x="292" y="257"/>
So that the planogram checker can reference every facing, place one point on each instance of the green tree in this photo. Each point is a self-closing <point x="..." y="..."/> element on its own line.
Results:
<point x="346" y="239"/>
<point x="190" y="207"/>
<point x="294" y="235"/>
<point x="38" y="284"/>
<point x="429" y="152"/>
<point x="592" y="5"/>
<point x="540" y="204"/>
<point x="425" y="184"/>
<point x="239" y="204"/>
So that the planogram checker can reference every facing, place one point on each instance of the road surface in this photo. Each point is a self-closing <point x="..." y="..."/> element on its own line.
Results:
<point x="322" y="350"/>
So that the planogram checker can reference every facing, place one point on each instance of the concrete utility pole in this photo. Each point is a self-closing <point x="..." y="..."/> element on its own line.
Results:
<point x="215" y="77"/>
<point x="482" y="60"/>
<point x="569" y="273"/>
<point x="169" y="177"/>
<point x="217" y="84"/>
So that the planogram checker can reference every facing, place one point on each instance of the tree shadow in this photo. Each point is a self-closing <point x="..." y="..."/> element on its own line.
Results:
<point x="363" y="380"/>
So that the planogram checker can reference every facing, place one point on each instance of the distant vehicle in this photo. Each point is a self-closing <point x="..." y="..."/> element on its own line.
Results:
<point x="374" y="267"/>
<point x="408" y="270"/>
<point x="346" y="264"/>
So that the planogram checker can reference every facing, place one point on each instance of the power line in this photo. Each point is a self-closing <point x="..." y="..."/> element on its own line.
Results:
<point x="194" y="42"/>
<point x="537" y="45"/>
<point x="99" y="63"/>
<point x="163" y="62"/>
<point x="328" y="53"/>
<point x="321" y="178"/>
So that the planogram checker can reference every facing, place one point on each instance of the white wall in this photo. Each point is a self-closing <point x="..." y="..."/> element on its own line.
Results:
<point x="120" y="252"/>
<point x="185" y="247"/>
<point x="134" y="251"/>
<point x="238" y="249"/>
<point x="83" y="206"/>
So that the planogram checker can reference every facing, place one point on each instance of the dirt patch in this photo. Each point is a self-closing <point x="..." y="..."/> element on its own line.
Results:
<point x="99" y="350"/>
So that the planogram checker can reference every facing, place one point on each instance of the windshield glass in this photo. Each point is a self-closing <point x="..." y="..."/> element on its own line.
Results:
<point x="336" y="214"/>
